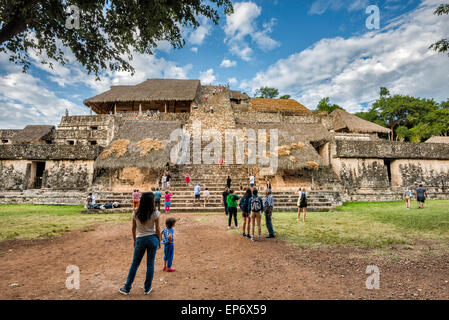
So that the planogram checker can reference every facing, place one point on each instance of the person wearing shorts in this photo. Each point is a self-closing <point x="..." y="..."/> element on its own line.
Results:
<point x="251" y="181"/>
<point x="421" y="195"/>
<point x="136" y="199"/>
<point x="302" y="204"/>
<point x="244" y="202"/>
<point x="197" y="193"/>
<point x="408" y="194"/>
<point x="167" y="201"/>
<point x="256" y="215"/>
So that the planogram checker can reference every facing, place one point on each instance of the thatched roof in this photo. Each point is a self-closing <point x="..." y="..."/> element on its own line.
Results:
<point x="343" y="120"/>
<point x="8" y="133"/>
<point x="237" y="95"/>
<point x="278" y="105"/>
<point x="438" y="139"/>
<point x="33" y="133"/>
<point x="141" y="144"/>
<point x="295" y="150"/>
<point x="149" y="90"/>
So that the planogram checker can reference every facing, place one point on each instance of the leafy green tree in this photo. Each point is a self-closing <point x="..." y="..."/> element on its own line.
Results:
<point x="267" y="93"/>
<point x="325" y="105"/>
<point x="443" y="44"/>
<point x="384" y="92"/>
<point x="287" y="96"/>
<point x="108" y="33"/>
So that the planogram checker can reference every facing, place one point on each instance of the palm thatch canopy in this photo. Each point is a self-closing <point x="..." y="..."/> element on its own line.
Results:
<point x="344" y="121"/>
<point x="438" y="139"/>
<point x="159" y="90"/>
<point x="140" y="144"/>
<point x="288" y="106"/>
<point x="237" y="95"/>
<point x="34" y="134"/>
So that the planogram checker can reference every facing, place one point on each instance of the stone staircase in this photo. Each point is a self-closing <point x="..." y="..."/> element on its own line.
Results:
<point x="214" y="178"/>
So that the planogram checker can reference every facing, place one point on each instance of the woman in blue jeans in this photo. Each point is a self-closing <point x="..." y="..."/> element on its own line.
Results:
<point x="147" y="237"/>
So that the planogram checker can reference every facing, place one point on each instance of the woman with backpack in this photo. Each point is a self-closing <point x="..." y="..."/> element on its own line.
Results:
<point x="147" y="237"/>
<point x="244" y="204"/>
<point x="302" y="203"/>
<point x="255" y="206"/>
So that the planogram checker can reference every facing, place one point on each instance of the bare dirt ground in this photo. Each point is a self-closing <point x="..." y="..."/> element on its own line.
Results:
<point x="213" y="263"/>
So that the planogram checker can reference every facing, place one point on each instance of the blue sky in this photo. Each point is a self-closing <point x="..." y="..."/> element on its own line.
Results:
<point x="309" y="49"/>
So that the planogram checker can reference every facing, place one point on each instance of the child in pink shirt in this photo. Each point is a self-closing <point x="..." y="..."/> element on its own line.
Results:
<point x="167" y="199"/>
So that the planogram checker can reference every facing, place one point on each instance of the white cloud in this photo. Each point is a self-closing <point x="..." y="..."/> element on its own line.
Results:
<point x="194" y="49"/>
<point x="241" y="28"/>
<point x="232" y="81"/>
<point x="25" y="100"/>
<point x="198" y="35"/>
<point x="226" y="63"/>
<point x="207" y="77"/>
<point x="350" y="71"/>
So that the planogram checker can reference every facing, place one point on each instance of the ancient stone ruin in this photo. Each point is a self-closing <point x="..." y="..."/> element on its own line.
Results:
<point x="127" y="143"/>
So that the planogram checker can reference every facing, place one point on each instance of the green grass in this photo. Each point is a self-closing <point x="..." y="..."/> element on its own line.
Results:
<point x="39" y="221"/>
<point x="377" y="224"/>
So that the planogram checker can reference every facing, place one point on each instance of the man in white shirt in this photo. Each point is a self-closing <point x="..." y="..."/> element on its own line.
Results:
<point x="251" y="181"/>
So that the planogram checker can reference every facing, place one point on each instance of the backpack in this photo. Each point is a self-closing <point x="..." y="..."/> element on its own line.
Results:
<point x="256" y="205"/>
<point x="243" y="204"/>
<point x="303" y="197"/>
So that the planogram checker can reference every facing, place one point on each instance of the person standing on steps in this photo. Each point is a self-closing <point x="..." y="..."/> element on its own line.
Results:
<point x="232" y="208"/>
<point x="228" y="182"/>
<point x="220" y="163"/>
<point x="164" y="182"/>
<point x="255" y="206"/>
<point x="252" y="181"/>
<point x="167" y="201"/>
<point x="302" y="203"/>
<point x="225" y="200"/>
<point x="268" y="205"/>
<point x="206" y="194"/>
<point x="187" y="179"/>
<point x="244" y="204"/>
<point x="147" y="237"/>
<point x="197" y="193"/>
<point x="168" y="180"/>
<point x="157" y="199"/>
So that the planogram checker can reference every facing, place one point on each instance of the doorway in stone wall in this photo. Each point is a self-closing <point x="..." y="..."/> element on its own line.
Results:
<point x="40" y="168"/>
<point x="387" y="163"/>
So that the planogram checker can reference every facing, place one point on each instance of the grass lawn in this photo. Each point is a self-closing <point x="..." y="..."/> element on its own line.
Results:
<point x="37" y="221"/>
<point x="365" y="224"/>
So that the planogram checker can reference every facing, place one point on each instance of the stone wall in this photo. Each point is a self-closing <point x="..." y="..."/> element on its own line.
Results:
<point x="6" y="136"/>
<point x="124" y="180"/>
<point x="44" y="152"/>
<point x="383" y="149"/>
<point x="431" y="173"/>
<point x="58" y="174"/>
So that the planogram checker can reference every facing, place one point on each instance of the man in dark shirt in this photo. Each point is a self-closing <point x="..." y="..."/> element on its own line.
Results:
<point x="421" y="196"/>
<point x="225" y="202"/>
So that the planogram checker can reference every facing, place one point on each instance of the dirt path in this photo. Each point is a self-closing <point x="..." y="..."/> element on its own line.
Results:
<point x="212" y="264"/>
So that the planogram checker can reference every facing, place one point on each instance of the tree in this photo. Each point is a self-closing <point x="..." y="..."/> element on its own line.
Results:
<point x="287" y="96"/>
<point x="108" y="31"/>
<point x="266" y="92"/>
<point x="325" y="105"/>
<point x="443" y="44"/>
<point x="384" y="92"/>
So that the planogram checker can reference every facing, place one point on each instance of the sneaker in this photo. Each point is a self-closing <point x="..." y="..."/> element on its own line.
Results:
<point x="270" y="236"/>
<point x="124" y="291"/>
<point x="237" y="227"/>
<point x="149" y="291"/>
<point x="171" y="270"/>
<point x="244" y="234"/>
<point x="165" y="269"/>
<point x="248" y="236"/>
<point x="252" y="239"/>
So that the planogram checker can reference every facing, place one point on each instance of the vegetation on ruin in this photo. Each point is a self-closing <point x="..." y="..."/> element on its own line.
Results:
<point x="325" y="105"/>
<point x="40" y="221"/>
<point x="107" y="33"/>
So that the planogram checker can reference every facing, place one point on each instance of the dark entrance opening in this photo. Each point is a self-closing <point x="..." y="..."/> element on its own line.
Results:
<point x="40" y="168"/>
<point x="387" y="163"/>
